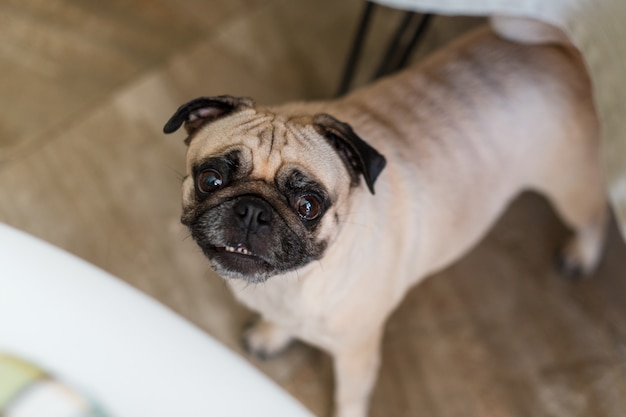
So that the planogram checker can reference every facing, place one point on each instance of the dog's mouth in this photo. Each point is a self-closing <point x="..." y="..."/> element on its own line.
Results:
<point x="238" y="261"/>
<point x="239" y="249"/>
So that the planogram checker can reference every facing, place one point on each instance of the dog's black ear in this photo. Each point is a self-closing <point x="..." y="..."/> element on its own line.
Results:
<point x="360" y="157"/>
<point x="203" y="110"/>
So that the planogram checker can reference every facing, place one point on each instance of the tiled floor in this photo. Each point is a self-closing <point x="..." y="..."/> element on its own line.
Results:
<point x="85" y="89"/>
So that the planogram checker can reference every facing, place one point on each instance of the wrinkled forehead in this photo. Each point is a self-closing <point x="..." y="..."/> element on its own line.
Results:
<point x="269" y="143"/>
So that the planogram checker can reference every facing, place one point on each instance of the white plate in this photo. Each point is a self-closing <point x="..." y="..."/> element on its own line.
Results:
<point x="123" y="349"/>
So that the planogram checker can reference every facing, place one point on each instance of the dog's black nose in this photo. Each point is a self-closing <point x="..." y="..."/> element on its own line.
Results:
<point x="252" y="213"/>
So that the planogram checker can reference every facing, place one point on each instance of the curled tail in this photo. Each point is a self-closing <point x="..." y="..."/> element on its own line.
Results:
<point x="527" y="30"/>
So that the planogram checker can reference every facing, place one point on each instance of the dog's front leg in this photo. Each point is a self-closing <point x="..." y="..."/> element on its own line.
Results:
<point x="356" y="369"/>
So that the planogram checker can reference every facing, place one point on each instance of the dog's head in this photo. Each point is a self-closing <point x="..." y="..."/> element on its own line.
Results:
<point x="265" y="193"/>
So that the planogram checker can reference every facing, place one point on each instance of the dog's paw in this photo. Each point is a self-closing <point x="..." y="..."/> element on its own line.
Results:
<point x="265" y="340"/>
<point x="568" y="266"/>
<point x="576" y="261"/>
<point x="582" y="254"/>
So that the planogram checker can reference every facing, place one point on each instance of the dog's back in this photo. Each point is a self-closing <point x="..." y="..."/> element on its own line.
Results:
<point x="473" y="126"/>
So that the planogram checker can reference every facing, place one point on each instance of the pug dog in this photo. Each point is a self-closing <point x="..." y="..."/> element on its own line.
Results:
<point x="322" y="215"/>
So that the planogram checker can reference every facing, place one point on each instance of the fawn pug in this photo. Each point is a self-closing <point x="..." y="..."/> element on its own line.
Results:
<point x="300" y="198"/>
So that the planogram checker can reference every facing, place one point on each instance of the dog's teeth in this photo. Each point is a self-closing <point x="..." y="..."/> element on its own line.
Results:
<point x="242" y="250"/>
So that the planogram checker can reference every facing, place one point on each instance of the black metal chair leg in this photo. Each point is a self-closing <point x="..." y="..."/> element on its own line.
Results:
<point x="417" y="36"/>
<point x="387" y="63"/>
<point x="394" y="59"/>
<point x="355" y="53"/>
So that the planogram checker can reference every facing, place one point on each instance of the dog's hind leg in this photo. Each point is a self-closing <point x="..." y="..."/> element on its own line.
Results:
<point x="577" y="192"/>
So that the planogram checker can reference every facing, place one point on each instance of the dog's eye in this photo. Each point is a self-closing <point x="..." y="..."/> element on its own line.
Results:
<point x="308" y="207"/>
<point x="209" y="180"/>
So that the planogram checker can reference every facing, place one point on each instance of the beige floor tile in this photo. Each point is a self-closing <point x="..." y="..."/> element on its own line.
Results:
<point x="299" y="46"/>
<point x="59" y="58"/>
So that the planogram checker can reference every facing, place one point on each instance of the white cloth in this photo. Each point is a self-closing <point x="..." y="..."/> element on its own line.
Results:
<point x="598" y="29"/>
